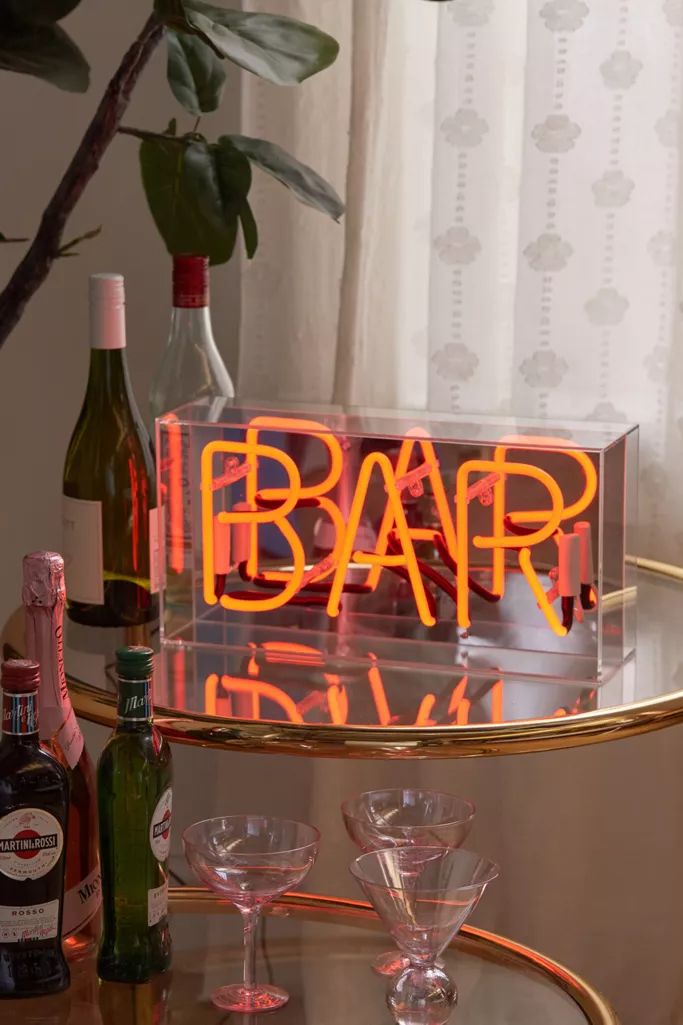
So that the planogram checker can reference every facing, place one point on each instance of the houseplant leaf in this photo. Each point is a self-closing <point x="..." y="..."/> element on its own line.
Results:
<point x="195" y="73"/>
<point x="305" y="183"/>
<point x="249" y="229"/>
<point x="195" y="191"/>
<point x="278" y="49"/>
<point x="44" y="51"/>
<point x="40" y="12"/>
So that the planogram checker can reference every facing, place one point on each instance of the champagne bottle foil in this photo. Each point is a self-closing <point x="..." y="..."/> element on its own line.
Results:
<point x="43" y="584"/>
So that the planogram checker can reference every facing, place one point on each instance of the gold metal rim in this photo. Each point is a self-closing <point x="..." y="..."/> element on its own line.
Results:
<point x="197" y="900"/>
<point x="399" y="742"/>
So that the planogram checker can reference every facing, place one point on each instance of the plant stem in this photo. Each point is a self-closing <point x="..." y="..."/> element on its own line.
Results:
<point x="251" y="920"/>
<point x="35" y="266"/>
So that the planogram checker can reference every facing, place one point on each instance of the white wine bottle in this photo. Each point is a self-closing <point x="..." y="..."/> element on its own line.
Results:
<point x="110" y="535"/>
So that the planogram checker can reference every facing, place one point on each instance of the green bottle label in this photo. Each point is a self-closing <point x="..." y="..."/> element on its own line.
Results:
<point x="135" y="700"/>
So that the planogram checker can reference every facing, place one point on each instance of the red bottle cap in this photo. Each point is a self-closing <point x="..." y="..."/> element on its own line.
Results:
<point x="190" y="281"/>
<point x="20" y="676"/>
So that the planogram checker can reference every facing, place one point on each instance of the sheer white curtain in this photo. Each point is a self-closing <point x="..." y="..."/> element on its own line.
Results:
<point x="512" y="178"/>
<point x="339" y="312"/>
<point x="512" y="175"/>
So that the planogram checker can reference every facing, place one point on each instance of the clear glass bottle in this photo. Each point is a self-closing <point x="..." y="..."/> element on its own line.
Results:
<point x="191" y="367"/>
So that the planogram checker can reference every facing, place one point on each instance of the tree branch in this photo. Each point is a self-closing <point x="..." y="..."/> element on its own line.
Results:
<point x="36" y="264"/>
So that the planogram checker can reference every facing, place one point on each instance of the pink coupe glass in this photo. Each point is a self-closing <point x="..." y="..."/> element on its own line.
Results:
<point x="250" y="859"/>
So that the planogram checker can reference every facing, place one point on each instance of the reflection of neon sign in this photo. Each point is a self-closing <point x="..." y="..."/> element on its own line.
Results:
<point x="230" y="537"/>
<point x="247" y="697"/>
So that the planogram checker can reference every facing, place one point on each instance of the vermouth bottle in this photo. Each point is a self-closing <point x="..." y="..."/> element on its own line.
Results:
<point x="44" y="598"/>
<point x="135" y="799"/>
<point x="34" y="801"/>
<point x="109" y="482"/>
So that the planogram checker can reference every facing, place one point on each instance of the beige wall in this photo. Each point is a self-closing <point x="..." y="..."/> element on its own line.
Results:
<point x="43" y="367"/>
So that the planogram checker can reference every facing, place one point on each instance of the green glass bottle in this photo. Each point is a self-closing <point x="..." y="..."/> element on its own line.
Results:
<point x="134" y="798"/>
<point x="109" y="487"/>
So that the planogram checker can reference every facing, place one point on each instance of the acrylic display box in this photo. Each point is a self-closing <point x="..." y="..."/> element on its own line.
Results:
<point x="332" y="539"/>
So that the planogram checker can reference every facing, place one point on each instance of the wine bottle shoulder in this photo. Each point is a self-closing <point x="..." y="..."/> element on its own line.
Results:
<point x="134" y="748"/>
<point x="24" y="771"/>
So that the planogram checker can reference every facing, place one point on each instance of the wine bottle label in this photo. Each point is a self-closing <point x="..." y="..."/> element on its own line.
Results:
<point x="157" y="904"/>
<point x="19" y="714"/>
<point x="81" y="903"/>
<point x="135" y="699"/>
<point x="83" y="551"/>
<point x="30" y="922"/>
<point x="31" y="842"/>
<point x="160" y="826"/>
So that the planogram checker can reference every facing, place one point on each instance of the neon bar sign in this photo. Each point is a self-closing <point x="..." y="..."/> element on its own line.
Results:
<point x="230" y="537"/>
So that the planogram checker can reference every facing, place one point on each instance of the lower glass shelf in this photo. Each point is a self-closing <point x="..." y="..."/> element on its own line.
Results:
<point x="319" y="949"/>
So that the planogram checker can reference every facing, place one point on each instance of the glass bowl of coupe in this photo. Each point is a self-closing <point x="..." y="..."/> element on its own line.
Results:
<point x="250" y="859"/>
<point x="409" y="817"/>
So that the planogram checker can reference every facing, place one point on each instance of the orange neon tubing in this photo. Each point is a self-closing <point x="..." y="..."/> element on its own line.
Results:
<point x="539" y="594"/>
<point x="287" y="652"/>
<point x="276" y="516"/>
<point x="335" y="514"/>
<point x="258" y="689"/>
<point x="337" y="699"/>
<point x="497" y="701"/>
<point x="379" y="695"/>
<point x="527" y="442"/>
<point x="459" y="703"/>
<point x="175" y="494"/>
<point x="496" y="541"/>
<point x="315" y="430"/>
<point x="416" y="436"/>
<point x="423" y="717"/>
<point x="408" y="558"/>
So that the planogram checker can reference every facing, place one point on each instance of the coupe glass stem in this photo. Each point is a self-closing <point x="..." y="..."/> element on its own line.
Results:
<point x="250" y="919"/>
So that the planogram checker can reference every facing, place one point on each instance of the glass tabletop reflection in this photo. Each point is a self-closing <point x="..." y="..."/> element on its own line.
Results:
<point x="287" y="696"/>
<point x="322" y="956"/>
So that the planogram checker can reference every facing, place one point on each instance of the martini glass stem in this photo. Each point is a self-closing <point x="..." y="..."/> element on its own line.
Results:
<point x="250" y="919"/>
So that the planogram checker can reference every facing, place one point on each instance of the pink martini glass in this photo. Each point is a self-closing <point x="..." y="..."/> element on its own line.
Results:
<point x="412" y="817"/>
<point x="250" y="859"/>
<point x="423" y="896"/>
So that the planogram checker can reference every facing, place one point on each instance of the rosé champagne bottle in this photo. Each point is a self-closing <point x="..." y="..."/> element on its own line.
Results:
<point x="44" y="598"/>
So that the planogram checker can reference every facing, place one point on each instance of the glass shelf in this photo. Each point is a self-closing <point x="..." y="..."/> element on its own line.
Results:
<point x="289" y="697"/>
<point x="320" y="949"/>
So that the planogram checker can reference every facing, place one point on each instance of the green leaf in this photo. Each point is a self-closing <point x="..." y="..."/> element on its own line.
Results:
<point x="45" y="51"/>
<point x="5" y="238"/>
<point x="37" y="12"/>
<point x="195" y="74"/>
<point x="278" y="49"/>
<point x="249" y="229"/>
<point x="195" y="192"/>
<point x="172" y="14"/>
<point x="305" y="183"/>
<point x="68" y="248"/>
